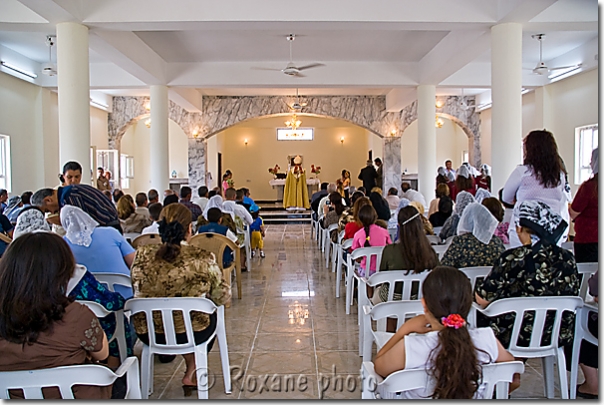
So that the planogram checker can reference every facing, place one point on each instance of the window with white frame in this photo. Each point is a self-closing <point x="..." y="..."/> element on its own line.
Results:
<point x="127" y="172"/>
<point x="586" y="140"/>
<point x="5" y="163"/>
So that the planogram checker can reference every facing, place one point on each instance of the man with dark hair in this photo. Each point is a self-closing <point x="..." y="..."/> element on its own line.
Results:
<point x="393" y="198"/>
<point x="72" y="173"/>
<point x="316" y="198"/>
<point x="202" y="199"/>
<point x="101" y="182"/>
<point x="88" y="198"/>
<point x="185" y="199"/>
<point x="3" y="199"/>
<point x="141" y="204"/>
<point x="154" y="211"/>
<point x="368" y="176"/>
<point x="153" y="196"/>
<point x="117" y="194"/>
<point x="379" y="180"/>
<point x="171" y="199"/>
<point x="239" y="199"/>
<point x="229" y="205"/>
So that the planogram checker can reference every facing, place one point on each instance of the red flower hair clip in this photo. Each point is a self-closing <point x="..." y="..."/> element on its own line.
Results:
<point x="453" y="321"/>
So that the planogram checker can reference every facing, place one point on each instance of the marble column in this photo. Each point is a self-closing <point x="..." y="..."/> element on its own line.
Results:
<point x="159" y="144"/>
<point x="426" y="140"/>
<point x="391" y="163"/>
<point x="197" y="163"/>
<point x="506" y="113"/>
<point x="74" y="96"/>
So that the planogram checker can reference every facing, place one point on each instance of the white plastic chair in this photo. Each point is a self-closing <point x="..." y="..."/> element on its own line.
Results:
<point x="440" y="250"/>
<point x="335" y="250"/>
<point x="364" y="252"/>
<point x="346" y="244"/>
<point x="540" y="305"/>
<point x="569" y="246"/>
<point x="313" y="226"/>
<point x="476" y="273"/>
<point x="328" y="243"/>
<point x="434" y="239"/>
<point x="586" y="270"/>
<point x="320" y="233"/>
<point x="185" y="306"/>
<point x="401" y="310"/>
<point x="496" y="377"/>
<point x="119" y="334"/>
<point x="110" y="280"/>
<point x="393" y="232"/>
<point x="247" y="243"/>
<point x="32" y="381"/>
<point x="581" y="333"/>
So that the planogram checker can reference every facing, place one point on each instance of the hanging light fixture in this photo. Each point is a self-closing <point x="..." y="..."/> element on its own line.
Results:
<point x="439" y="122"/>
<point x="293" y="123"/>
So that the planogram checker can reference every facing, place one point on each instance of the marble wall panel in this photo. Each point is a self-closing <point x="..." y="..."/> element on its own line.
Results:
<point x="392" y="163"/>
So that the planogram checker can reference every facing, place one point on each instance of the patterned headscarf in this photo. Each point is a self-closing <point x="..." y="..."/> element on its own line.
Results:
<point x="214" y="202"/>
<point x="539" y="217"/>
<point x="30" y="220"/>
<point x="462" y="200"/>
<point x="595" y="160"/>
<point x="78" y="225"/>
<point x="13" y="203"/>
<point x="481" y="194"/>
<point x="442" y="171"/>
<point x="486" y="169"/>
<point x="477" y="220"/>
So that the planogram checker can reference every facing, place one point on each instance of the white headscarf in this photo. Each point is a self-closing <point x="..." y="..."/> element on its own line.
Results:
<point x="477" y="220"/>
<point x="30" y="221"/>
<point x="214" y="202"/>
<point x="595" y="160"/>
<point x="481" y="194"/>
<point x="78" y="225"/>
<point x="442" y="171"/>
<point x="463" y="171"/>
<point x="462" y="200"/>
<point x="486" y="169"/>
<point x="393" y="222"/>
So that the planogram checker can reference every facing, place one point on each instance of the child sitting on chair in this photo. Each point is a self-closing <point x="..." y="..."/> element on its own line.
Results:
<point x="214" y="225"/>
<point x="441" y="341"/>
<point x="257" y="232"/>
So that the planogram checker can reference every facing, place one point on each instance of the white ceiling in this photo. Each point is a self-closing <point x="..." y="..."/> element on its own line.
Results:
<point x="368" y="48"/>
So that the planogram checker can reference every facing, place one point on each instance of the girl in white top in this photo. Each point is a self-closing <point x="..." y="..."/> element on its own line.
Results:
<point x="441" y="342"/>
<point x="541" y="178"/>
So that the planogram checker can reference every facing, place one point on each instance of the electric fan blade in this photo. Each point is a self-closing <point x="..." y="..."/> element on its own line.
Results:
<point x="299" y="75"/>
<point x="263" y="68"/>
<point x="312" y="65"/>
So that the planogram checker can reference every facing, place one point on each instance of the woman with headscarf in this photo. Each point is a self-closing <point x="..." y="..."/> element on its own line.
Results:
<point x="441" y="177"/>
<point x="14" y="203"/>
<point x="463" y="182"/>
<point x="536" y="268"/>
<point x="393" y="222"/>
<point x="29" y="220"/>
<point x="380" y="205"/>
<point x="102" y="249"/>
<point x="475" y="243"/>
<point x="484" y="180"/>
<point x="421" y="209"/>
<point x="450" y="226"/>
<point x="481" y="194"/>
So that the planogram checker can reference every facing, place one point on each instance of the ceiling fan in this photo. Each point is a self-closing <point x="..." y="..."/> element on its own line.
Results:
<point x="297" y="106"/>
<point x="49" y="68"/>
<point x="291" y="69"/>
<point x="541" y="68"/>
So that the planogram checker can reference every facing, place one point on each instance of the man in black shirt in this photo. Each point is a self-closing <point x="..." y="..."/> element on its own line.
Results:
<point x="316" y="199"/>
<point x="368" y="176"/>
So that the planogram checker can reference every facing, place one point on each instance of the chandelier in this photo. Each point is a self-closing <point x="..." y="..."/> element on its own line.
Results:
<point x="293" y="123"/>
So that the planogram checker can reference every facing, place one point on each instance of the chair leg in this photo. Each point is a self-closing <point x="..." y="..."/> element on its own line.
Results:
<point x="574" y="368"/>
<point x="338" y="275"/>
<point x="334" y="258"/>
<point x="349" y="291"/>
<point x="201" y="365"/>
<point x="327" y="251"/>
<point x="146" y="372"/>
<point x="224" y="353"/>
<point x="547" y="364"/>
<point x="562" y="373"/>
<point x="367" y="339"/>
<point x="238" y="275"/>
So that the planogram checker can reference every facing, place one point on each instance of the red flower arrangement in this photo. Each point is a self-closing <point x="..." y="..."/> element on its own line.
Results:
<point x="453" y="321"/>
<point x="315" y="170"/>
<point x="274" y="170"/>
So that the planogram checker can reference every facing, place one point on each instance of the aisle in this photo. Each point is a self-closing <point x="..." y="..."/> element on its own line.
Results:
<point x="289" y="330"/>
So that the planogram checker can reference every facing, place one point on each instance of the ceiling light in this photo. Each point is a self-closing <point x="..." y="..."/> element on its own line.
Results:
<point x="566" y="73"/>
<point x="97" y="104"/>
<point x="294" y="123"/>
<point x="439" y="122"/>
<point x="18" y="70"/>
<point x="483" y="107"/>
<point x="524" y="91"/>
<point x="439" y="103"/>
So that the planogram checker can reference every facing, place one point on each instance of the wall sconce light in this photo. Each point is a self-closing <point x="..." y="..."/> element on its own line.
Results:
<point x="148" y="106"/>
<point x="245" y="141"/>
<point x="439" y="103"/>
<point x="148" y="123"/>
<point x="342" y="140"/>
<point x="393" y="132"/>
<point x="195" y="132"/>
<point x="439" y="122"/>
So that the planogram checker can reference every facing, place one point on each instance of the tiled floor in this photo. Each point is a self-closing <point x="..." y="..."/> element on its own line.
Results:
<point x="288" y="333"/>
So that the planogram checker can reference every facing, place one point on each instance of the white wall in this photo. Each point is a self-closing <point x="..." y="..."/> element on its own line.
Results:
<point x="485" y="136"/>
<point x="451" y="141"/>
<point x="375" y="144"/>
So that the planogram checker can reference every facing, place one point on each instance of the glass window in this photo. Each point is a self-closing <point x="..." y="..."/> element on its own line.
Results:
<point x="5" y="163"/>
<point x="300" y="134"/>
<point x="586" y="140"/>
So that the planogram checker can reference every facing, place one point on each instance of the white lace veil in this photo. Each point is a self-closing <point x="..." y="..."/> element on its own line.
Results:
<point x="78" y="225"/>
<point x="214" y="202"/>
<point x="481" y="194"/>
<point x="30" y="221"/>
<point x="477" y="220"/>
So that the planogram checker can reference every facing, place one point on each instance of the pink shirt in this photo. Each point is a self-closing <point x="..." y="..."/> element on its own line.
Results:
<point x="378" y="236"/>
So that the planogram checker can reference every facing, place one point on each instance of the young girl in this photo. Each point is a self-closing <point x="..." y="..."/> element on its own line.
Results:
<point x="257" y="233"/>
<point x="441" y="342"/>
<point x="370" y="235"/>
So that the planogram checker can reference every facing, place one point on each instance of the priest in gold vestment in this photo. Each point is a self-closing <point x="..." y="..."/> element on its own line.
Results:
<point x="295" y="193"/>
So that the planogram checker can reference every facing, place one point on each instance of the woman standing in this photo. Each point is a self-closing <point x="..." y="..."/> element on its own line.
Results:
<point x="343" y="184"/>
<point x="484" y="180"/>
<point x="540" y="178"/>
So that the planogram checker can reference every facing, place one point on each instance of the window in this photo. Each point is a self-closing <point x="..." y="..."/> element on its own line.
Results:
<point x="5" y="165"/>
<point x="300" y="134"/>
<point x="127" y="173"/>
<point x="586" y="140"/>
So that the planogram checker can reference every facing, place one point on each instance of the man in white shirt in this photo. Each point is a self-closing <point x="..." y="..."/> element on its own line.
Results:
<point x="141" y="204"/>
<point x="202" y="200"/>
<point x="231" y="206"/>
<point x="449" y="167"/>
<point x="154" y="211"/>
<point x="411" y="194"/>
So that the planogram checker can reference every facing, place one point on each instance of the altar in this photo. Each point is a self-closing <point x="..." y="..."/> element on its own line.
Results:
<point x="279" y="184"/>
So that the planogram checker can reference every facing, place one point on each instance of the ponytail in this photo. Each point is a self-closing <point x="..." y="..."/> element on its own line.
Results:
<point x="172" y="234"/>
<point x="367" y="228"/>
<point x="367" y="217"/>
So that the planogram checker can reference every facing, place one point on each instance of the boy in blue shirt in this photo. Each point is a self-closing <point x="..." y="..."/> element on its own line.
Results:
<point x="257" y="232"/>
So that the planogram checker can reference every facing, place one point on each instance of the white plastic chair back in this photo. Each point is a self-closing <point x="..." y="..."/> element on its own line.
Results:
<point x="247" y="243"/>
<point x="32" y="381"/>
<point x="440" y="250"/>
<point x="401" y="310"/>
<point x="569" y="246"/>
<point x="335" y="251"/>
<point x="434" y="239"/>
<point x="586" y="270"/>
<point x="344" y="246"/>
<point x="146" y="239"/>
<point x="119" y="333"/>
<point x="393" y="232"/>
<point x="110" y="280"/>
<point x="328" y="243"/>
<point x="581" y="333"/>
<point x="185" y="305"/>
<point x="476" y="273"/>
<point x="495" y="375"/>
<point x="540" y="306"/>
<point x="365" y="252"/>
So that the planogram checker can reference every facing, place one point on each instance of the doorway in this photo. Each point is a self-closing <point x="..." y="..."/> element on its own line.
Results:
<point x="219" y="160"/>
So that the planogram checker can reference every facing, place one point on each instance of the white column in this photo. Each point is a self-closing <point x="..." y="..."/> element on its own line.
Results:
<point x="160" y="156"/>
<point x="506" y="113"/>
<point x="74" y="95"/>
<point x="426" y="140"/>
